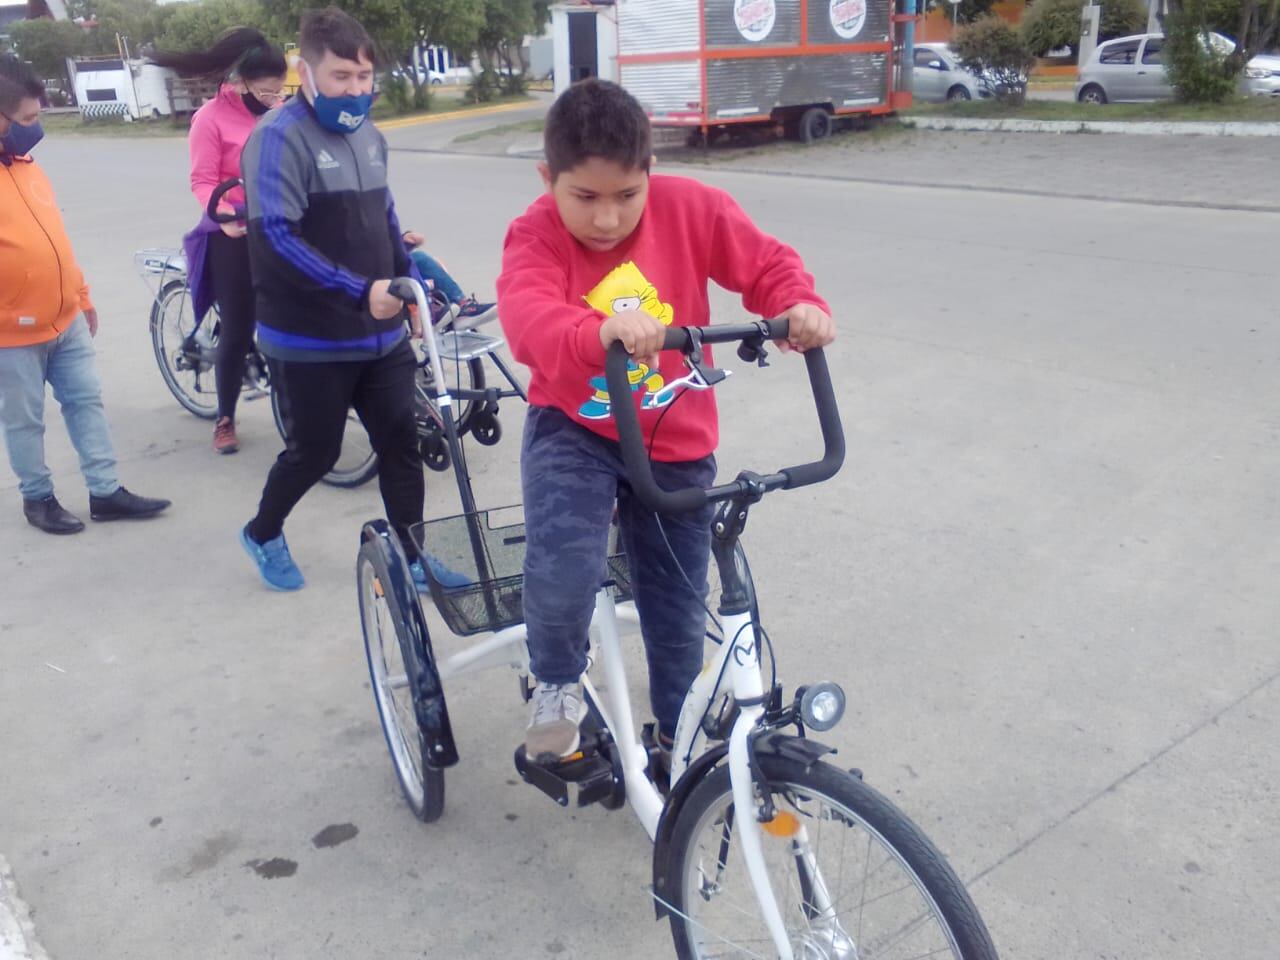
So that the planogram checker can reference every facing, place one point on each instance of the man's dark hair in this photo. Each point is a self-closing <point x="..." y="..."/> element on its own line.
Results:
<point x="336" y="31"/>
<point x="17" y="82"/>
<point x="596" y="118"/>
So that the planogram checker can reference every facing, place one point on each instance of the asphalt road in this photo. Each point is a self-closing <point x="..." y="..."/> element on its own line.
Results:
<point x="1046" y="578"/>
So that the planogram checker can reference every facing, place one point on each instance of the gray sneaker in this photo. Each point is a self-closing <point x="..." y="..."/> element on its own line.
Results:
<point x="556" y="712"/>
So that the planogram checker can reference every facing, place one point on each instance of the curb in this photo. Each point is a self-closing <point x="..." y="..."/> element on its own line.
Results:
<point x="397" y="123"/>
<point x="17" y="932"/>
<point x="1138" y="127"/>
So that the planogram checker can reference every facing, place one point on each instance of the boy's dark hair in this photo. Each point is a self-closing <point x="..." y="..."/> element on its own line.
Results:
<point x="336" y="31"/>
<point x="596" y="118"/>
<point x="17" y="82"/>
<point x="243" y="51"/>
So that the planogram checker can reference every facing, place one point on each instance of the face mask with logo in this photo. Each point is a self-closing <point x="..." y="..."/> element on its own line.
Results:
<point x="21" y="138"/>
<point x="340" y="114"/>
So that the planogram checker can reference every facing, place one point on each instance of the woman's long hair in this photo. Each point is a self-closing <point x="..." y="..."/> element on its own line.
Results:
<point x="241" y="51"/>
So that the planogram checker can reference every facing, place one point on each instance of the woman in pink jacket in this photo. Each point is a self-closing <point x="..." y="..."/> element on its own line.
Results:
<point x="253" y="73"/>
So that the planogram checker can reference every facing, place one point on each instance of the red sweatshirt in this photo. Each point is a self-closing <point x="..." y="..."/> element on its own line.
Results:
<point x="554" y="295"/>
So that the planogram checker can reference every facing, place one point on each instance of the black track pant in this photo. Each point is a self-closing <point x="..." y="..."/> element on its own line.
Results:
<point x="314" y="398"/>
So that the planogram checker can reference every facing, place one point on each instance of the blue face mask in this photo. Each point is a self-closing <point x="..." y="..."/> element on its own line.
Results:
<point x="340" y="114"/>
<point x="21" y="138"/>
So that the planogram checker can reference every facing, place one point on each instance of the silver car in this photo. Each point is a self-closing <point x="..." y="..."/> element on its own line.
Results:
<point x="1132" y="68"/>
<point x="937" y="75"/>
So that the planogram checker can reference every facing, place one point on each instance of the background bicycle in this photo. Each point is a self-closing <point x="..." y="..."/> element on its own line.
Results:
<point x="185" y="348"/>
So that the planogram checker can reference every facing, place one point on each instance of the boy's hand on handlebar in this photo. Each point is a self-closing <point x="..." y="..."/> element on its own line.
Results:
<point x="810" y="327"/>
<point x="382" y="305"/>
<point x="641" y="333"/>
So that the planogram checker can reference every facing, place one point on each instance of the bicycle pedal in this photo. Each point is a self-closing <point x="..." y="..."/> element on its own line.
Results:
<point x="587" y="771"/>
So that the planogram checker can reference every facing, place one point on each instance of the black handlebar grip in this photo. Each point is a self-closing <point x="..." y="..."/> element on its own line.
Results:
<point x="631" y="440"/>
<point x="824" y="398"/>
<point x="402" y="288"/>
<point x="220" y="191"/>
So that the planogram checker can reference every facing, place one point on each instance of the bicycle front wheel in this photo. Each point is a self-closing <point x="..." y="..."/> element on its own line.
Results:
<point x="852" y="875"/>
<point x="357" y="463"/>
<point x="185" y="349"/>
<point x="392" y="649"/>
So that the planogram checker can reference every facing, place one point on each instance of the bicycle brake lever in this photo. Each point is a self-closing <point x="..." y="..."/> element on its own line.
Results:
<point x="699" y="377"/>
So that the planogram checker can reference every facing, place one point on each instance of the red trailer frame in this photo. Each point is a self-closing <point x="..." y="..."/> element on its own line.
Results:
<point x="786" y="51"/>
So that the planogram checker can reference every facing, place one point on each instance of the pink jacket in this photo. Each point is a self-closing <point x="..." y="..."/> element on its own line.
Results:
<point x="218" y="134"/>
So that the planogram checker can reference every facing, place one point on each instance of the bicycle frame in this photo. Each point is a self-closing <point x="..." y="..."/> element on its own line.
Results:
<point x="734" y="668"/>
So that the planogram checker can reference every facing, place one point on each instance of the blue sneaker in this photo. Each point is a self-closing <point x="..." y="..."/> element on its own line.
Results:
<point x="275" y="566"/>
<point x="469" y="313"/>
<point x="449" y="579"/>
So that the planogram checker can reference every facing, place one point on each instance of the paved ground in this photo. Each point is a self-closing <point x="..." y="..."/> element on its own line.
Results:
<point x="1046" y="578"/>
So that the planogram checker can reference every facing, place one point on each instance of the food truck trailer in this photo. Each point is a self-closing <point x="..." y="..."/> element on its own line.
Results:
<point x="707" y="65"/>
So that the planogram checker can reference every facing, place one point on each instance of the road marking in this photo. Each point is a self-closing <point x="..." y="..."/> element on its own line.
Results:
<point x="454" y="115"/>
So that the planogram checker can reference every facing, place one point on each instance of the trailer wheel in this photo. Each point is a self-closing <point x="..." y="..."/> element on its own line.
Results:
<point x="815" y="124"/>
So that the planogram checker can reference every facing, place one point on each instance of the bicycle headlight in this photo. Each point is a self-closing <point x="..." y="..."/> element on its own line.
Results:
<point x="822" y="705"/>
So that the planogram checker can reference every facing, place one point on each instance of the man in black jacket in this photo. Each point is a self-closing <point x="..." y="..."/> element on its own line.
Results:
<point x="324" y="245"/>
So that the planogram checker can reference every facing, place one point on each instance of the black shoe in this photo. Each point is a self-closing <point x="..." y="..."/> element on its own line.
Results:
<point x="50" y="516"/>
<point x="123" y="505"/>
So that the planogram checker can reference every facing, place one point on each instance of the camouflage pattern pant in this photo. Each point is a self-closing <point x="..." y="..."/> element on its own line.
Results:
<point x="572" y="479"/>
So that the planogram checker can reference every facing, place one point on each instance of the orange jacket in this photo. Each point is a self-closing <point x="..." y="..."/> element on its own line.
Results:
<point x="42" y="290"/>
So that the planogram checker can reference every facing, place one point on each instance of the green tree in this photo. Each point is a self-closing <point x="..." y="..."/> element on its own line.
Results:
<point x="455" y="24"/>
<point x="139" y="22"/>
<point x="966" y="11"/>
<point x="197" y="24"/>
<point x="1256" y="29"/>
<point x="46" y="45"/>
<point x="1053" y="24"/>
<point x="501" y="43"/>
<point x="1121" y="18"/>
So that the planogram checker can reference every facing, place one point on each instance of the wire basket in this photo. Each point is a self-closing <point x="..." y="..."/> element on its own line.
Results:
<point x="490" y="553"/>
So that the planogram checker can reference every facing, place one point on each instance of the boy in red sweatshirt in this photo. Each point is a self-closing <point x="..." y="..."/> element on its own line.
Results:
<point x="610" y="253"/>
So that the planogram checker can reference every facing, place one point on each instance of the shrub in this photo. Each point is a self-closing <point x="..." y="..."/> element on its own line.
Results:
<point x="484" y="86"/>
<point x="1198" y="72"/>
<point x="396" y="90"/>
<point x="996" y="51"/>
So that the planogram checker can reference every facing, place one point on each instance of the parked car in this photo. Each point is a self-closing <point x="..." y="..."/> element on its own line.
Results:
<point x="432" y="77"/>
<point x="1132" y="68"/>
<point x="936" y="75"/>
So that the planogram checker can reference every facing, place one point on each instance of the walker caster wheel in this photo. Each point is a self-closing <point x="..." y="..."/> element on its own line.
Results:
<point x="486" y="428"/>
<point x="434" y="452"/>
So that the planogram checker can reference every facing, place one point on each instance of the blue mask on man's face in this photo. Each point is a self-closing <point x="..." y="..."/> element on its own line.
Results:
<point x="22" y="137"/>
<point x="342" y="114"/>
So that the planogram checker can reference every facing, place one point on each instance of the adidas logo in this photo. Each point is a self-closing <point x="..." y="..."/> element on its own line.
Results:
<point x="325" y="162"/>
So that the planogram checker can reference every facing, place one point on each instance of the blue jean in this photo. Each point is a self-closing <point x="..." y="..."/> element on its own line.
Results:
<point x="572" y="478"/>
<point x="66" y="364"/>
<point x="431" y="269"/>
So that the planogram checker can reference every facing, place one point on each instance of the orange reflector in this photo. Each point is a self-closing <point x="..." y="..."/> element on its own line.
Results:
<point x="377" y="588"/>
<point x="782" y="825"/>
<point x="572" y="757"/>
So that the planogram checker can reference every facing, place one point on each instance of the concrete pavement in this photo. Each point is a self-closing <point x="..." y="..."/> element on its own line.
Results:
<point x="1045" y="578"/>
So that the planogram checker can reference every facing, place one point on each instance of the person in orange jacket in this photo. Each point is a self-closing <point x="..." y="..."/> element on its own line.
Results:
<point x="47" y="323"/>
